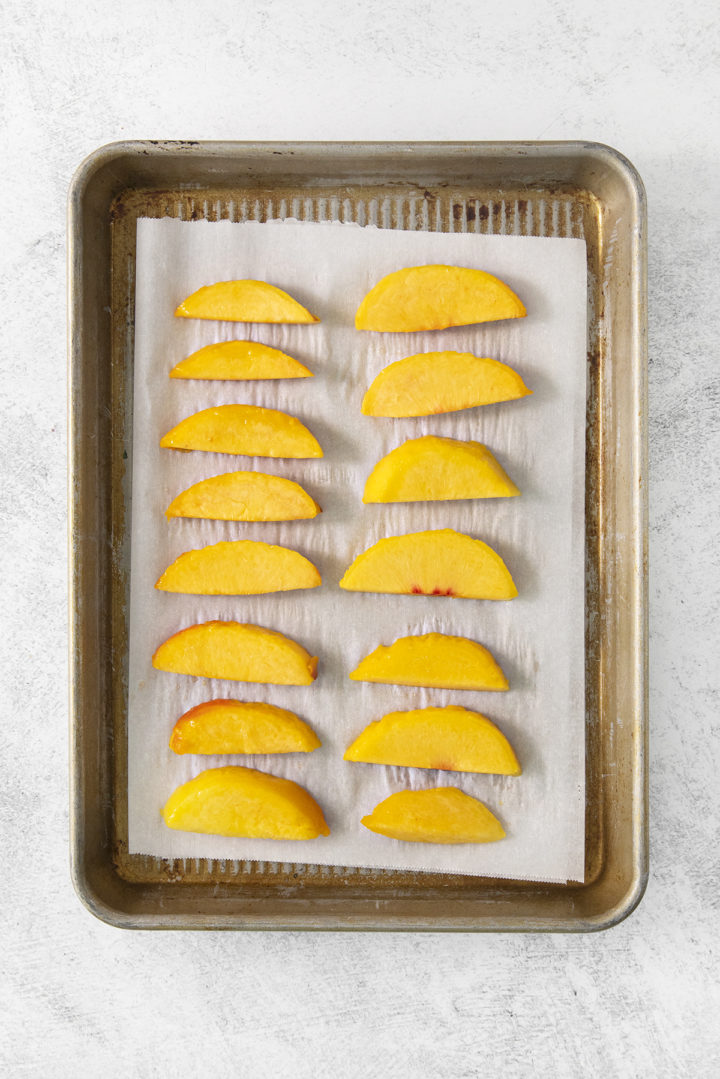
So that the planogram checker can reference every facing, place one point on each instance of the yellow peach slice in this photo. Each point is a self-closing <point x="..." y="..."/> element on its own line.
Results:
<point x="439" y="815"/>
<point x="435" y="297"/>
<point x="435" y="660"/>
<point x="441" y="562"/>
<point x="237" y="651"/>
<point x="239" y="568"/>
<point x="435" y="469"/>
<point x="432" y="382"/>
<point x="244" y="496"/>
<point x="235" y="360"/>
<point x="450" y="739"/>
<point x="239" y="801"/>
<point x="243" y="301"/>
<point x="247" y="430"/>
<point x="229" y="726"/>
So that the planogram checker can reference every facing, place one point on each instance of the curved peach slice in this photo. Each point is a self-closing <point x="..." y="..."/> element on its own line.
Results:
<point x="241" y="801"/>
<point x="435" y="660"/>
<point x="441" y="562"/>
<point x="237" y="651"/>
<point x="244" y="496"/>
<point x="243" y="301"/>
<point x="436" y="469"/>
<point x="235" y="360"/>
<point x="229" y="726"/>
<point x="435" y="297"/>
<point x="439" y="815"/>
<point x="432" y="382"/>
<point x="247" y="430"/>
<point x="239" y="568"/>
<point x="451" y="739"/>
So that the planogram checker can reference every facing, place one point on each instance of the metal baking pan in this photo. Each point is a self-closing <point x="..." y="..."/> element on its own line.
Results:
<point x="534" y="188"/>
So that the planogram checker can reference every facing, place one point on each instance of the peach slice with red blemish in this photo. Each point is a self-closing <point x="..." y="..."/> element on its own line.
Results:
<point x="441" y="562"/>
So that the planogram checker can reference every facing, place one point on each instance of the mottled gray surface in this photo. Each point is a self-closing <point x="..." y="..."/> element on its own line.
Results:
<point x="78" y="998"/>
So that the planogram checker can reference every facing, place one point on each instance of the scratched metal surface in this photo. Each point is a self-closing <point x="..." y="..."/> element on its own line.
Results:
<point x="521" y="189"/>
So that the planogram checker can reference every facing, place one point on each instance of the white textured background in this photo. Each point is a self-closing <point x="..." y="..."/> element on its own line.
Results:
<point x="80" y="999"/>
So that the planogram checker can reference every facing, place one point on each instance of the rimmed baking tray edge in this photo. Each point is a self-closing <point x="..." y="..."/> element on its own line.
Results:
<point x="618" y="885"/>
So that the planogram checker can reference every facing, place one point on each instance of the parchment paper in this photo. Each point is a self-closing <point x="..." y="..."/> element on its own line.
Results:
<point x="538" y="638"/>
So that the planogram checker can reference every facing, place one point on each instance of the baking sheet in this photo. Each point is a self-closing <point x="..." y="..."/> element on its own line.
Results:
<point x="538" y="637"/>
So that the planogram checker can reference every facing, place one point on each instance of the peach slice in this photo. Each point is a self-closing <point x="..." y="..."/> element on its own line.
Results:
<point x="243" y="301"/>
<point x="237" y="651"/>
<point x="436" y="469"/>
<point x="229" y="726"/>
<point x="435" y="660"/>
<point x="451" y="739"/>
<point x="244" y="496"/>
<point x="432" y="382"/>
<point x="239" y="568"/>
<point x="239" y="801"/>
<point x="247" y="430"/>
<point x="235" y="360"/>
<point x="435" y="297"/>
<point x="441" y="562"/>
<point x="438" y="815"/>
